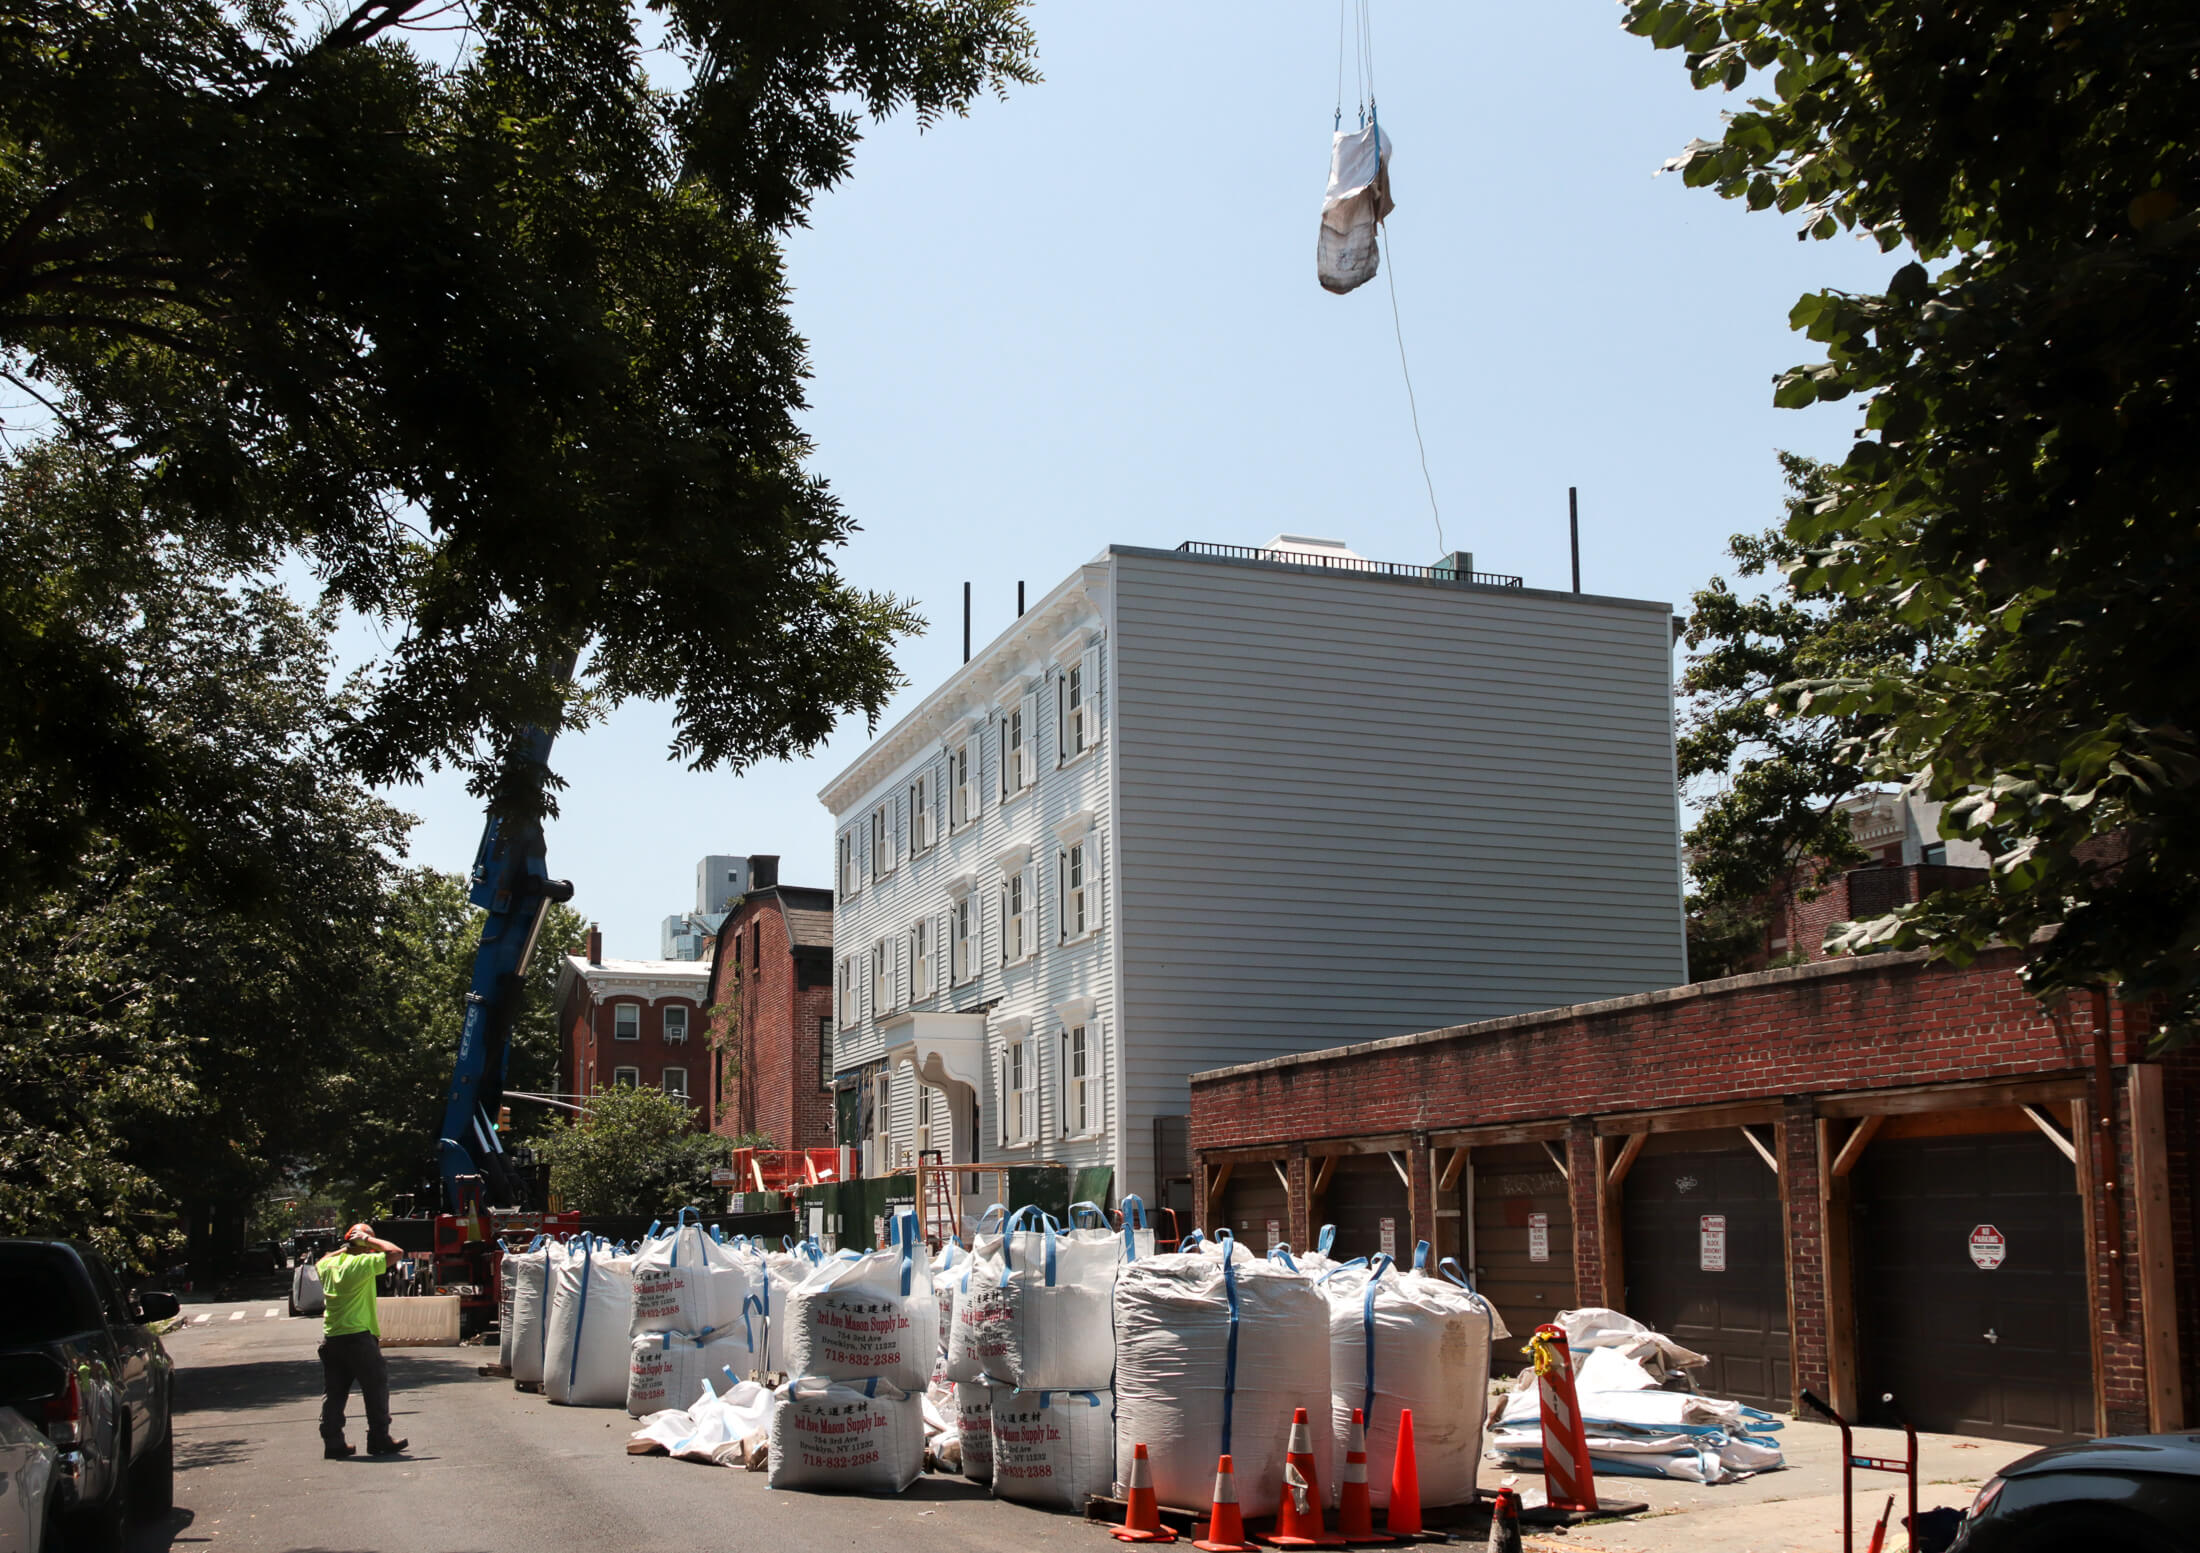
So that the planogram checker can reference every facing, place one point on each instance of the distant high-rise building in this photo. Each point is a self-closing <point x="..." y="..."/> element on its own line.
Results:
<point x="719" y="882"/>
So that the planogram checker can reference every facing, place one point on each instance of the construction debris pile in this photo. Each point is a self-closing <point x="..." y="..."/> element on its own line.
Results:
<point x="1640" y="1410"/>
<point x="1041" y="1360"/>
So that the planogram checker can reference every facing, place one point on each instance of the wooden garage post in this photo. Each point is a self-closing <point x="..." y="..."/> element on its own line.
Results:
<point x="1835" y="1160"/>
<point x="2157" y="1273"/>
<point x="1301" y="1225"/>
<point x="1614" y="1158"/>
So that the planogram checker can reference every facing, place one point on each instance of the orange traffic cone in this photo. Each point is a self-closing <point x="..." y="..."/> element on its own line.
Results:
<point x="1299" y="1513"/>
<point x="1404" y="1518"/>
<point x="1355" y="1511"/>
<point x="1505" y="1522"/>
<point x="1225" y="1526"/>
<point x="1142" y="1515"/>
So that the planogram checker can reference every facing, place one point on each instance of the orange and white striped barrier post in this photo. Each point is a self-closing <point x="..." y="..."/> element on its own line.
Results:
<point x="1225" y="1525"/>
<point x="1568" y="1481"/>
<point x="1355" y="1509"/>
<point x="1142" y="1512"/>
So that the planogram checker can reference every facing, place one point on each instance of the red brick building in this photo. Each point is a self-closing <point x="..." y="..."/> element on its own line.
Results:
<point x="632" y="1022"/>
<point x="771" y="1002"/>
<point x="1861" y="1176"/>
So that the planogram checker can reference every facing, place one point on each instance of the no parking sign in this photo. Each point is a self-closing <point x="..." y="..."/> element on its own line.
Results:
<point x="1989" y="1247"/>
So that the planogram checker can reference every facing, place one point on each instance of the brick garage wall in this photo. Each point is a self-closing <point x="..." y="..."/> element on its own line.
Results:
<point x="1779" y="1037"/>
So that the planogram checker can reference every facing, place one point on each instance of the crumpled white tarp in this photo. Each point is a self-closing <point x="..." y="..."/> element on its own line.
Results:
<point x="1593" y="1326"/>
<point x="713" y="1428"/>
<point x="1357" y="200"/>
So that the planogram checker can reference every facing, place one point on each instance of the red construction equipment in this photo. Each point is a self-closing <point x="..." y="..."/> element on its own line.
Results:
<point x="1355" y="1510"/>
<point x="1225" y="1526"/>
<point x="784" y="1170"/>
<point x="1142" y="1512"/>
<point x="1299" y="1510"/>
<point x="1403" y="1519"/>
<point x="1851" y="1463"/>
<point x="1569" y="1483"/>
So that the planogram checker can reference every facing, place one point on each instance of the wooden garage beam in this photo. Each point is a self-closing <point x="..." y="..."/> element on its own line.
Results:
<point x="1283" y="1174"/>
<point x="1833" y="1220"/>
<point x="2054" y="1133"/>
<point x="1626" y="1160"/>
<point x="2081" y="1118"/>
<point x="1483" y="1137"/>
<point x="1853" y="1149"/>
<point x="1221" y="1180"/>
<point x="1557" y="1159"/>
<point x="1702" y="1118"/>
<point x="1449" y="1178"/>
<point x="1404" y="1174"/>
<point x="1321" y="1176"/>
<point x="1763" y="1153"/>
<point x="1917" y="1100"/>
<point x="2157" y="1275"/>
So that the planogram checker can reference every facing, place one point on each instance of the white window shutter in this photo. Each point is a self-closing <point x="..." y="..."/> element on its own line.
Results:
<point x="1031" y="906"/>
<point x="1089" y="675"/>
<point x="1030" y="773"/>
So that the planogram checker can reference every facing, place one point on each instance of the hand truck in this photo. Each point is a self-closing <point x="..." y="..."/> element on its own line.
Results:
<point x="1851" y="1463"/>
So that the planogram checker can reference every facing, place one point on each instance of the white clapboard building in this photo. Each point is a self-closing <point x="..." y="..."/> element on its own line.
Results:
<point x="1205" y="806"/>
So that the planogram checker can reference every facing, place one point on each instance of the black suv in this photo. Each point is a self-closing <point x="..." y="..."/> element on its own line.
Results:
<point x="111" y="1419"/>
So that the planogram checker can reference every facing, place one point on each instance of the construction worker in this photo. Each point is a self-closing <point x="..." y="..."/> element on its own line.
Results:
<point x="351" y="1341"/>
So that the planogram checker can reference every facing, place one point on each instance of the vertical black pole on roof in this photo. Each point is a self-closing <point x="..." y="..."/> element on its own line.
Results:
<point x="1019" y="600"/>
<point x="966" y="622"/>
<point x="1573" y="524"/>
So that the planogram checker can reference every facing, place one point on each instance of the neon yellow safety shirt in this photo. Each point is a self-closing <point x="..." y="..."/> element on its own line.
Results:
<point x="347" y="1291"/>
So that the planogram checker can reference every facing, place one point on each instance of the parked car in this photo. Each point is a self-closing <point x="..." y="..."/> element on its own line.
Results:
<point x="111" y="1421"/>
<point x="29" y="1505"/>
<point x="2136" y="1493"/>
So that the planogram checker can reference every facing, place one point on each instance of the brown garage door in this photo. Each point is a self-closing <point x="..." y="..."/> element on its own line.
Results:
<point x="1523" y="1233"/>
<point x="1706" y="1260"/>
<point x="1998" y="1350"/>
<point x="1364" y="1192"/>
<point x="1252" y="1202"/>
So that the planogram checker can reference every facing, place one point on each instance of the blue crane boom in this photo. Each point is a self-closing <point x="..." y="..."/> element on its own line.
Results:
<point x="512" y="885"/>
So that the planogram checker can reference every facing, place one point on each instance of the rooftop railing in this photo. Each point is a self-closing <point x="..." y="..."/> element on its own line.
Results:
<point x="1441" y="572"/>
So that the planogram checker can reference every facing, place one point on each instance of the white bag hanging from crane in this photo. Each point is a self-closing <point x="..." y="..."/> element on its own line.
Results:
<point x="1212" y="1354"/>
<point x="590" y="1350"/>
<point x="1053" y="1448"/>
<point x="869" y="1314"/>
<point x="862" y="1437"/>
<point x="1059" y="1332"/>
<point x="686" y="1282"/>
<point x="1355" y="205"/>
<point x="529" y="1275"/>
<point x="1400" y="1339"/>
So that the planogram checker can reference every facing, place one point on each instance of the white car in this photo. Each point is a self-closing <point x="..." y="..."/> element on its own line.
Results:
<point x="28" y="1506"/>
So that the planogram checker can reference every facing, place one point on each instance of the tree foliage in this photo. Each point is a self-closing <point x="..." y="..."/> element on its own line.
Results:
<point x="1766" y="777"/>
<point x="634" y="1151"/>
<point x="496" y="346"/>
<point x="2029" y="465"/>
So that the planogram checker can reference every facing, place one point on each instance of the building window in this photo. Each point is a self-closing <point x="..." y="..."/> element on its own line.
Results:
<point x="626" y="1078"/>
<point x="882" y="841"/>
<point x="756" y="944"/>
<point x="676" y="1023"/>
<point x="1080" y="1083"/>
<point x="844" y="993"/>
<point x="920" y="960"/>
<point x="962" y="801"/>
<point x="1076" y="897"/>
<point x="850" y="879"/>
<point x="965" y="960"/>
<point x="1017" y="1120"/>
<point x="1019" y="930"/>
<point x="676" y="1082"/>
<point x="1070" y="713"/>
<point x="626" y="1021"/>
<point x="920" y="813"/>
<point x="882" y="1120"/>
<point x="1016" y="770"/>
<point x="825" y="1052"/>
<point x="882" y="992"/>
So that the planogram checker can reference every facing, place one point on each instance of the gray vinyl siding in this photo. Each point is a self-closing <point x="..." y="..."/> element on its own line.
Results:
<point x="1355" y="807"/>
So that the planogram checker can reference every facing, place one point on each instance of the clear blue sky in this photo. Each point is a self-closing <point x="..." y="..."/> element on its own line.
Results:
<point x="1088" y="315"/>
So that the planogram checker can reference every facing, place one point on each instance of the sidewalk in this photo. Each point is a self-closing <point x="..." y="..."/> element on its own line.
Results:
<point x="1794" y="1510"/>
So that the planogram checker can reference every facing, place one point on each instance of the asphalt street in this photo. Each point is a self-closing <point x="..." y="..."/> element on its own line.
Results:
<point x="494" y="1471"/>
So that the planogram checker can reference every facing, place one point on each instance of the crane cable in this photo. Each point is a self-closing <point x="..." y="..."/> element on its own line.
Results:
<point x="1364" y="79"/>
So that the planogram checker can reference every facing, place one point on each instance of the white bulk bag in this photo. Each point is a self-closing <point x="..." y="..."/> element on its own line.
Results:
<point x="1052" y="1448"/>
<point x="529" y="1276"/>
<point x="865" y="1438"/>
<point x="978" y="1339"/>
<point x="507" y="1265"/>
<point x="869" y="1314"/>
<point x="1357" y="200"/>
<point x="686" y="1282"/>
<point x="1058" y="1333"/>
<point x="667" y="1367"/>
<point x="1211" y="1355"/>
<point x="974" y="1416"/>
<point x="947" y="1271"/>
<point x="588" y="1352"/>
<point x="1402" y="1339"/>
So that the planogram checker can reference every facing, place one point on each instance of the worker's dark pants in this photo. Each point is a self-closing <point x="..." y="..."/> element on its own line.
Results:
<point x="355" y="1357"/>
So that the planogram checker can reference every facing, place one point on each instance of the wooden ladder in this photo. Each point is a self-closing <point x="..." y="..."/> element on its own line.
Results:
<point x="942" y="1204"/>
